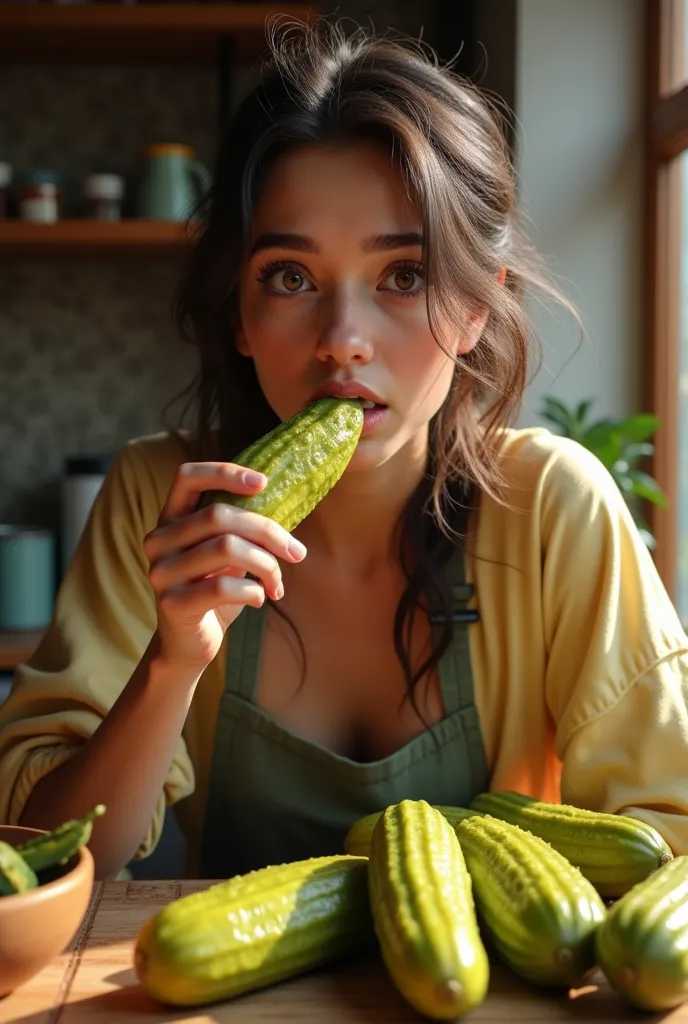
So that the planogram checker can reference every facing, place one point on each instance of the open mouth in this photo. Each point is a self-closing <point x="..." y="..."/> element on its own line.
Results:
<point x="372" y="414"/>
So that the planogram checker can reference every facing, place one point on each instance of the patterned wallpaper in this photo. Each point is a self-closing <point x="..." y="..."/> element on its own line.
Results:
<point x="89" y="358"/>
<point x="88" y="353"/>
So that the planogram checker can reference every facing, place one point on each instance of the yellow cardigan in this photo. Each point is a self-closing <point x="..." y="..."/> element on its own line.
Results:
<point x="580" y="662"/>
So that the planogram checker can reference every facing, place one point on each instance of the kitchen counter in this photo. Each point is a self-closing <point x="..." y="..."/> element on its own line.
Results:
<point x="93" y="983"/>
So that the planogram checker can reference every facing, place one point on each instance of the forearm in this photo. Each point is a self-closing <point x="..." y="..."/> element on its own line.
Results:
<point x="123" y="765"/>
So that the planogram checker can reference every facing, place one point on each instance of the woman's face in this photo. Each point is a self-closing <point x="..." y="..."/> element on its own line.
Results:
<point x="333" y="292"/>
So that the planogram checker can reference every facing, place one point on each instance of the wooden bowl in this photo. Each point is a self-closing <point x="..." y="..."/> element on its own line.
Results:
<point x="36" y="926"/>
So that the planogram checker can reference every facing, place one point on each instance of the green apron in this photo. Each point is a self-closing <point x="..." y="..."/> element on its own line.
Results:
<point x="274" y="797"/>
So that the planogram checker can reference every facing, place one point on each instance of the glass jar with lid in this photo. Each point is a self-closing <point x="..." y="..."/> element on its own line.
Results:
<point x="39" y="196"/>
<point x="104" y="194"/>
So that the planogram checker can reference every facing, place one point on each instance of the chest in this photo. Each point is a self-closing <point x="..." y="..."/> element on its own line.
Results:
<point x="333" y="675"/>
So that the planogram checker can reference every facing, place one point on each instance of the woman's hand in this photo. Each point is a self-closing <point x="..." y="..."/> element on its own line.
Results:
<point x="199" y="560"/>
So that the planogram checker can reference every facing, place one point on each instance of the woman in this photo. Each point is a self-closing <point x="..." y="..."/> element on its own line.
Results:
<point x="469" y="607"/>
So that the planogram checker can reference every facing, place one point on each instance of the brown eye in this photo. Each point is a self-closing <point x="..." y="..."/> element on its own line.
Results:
<point x="407" y="279"/>
<point x="282" y="278"/>
<point x="404" y="280"/>
<point x="292" y="280"/>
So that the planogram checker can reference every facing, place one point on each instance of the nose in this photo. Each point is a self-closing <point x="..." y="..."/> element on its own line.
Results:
<point x="344" y="337"/>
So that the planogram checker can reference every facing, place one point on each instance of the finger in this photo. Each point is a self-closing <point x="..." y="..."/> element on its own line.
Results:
<point x="226" y="552"/>
<point x="218" y="519"/>
<point x="192" y="478"/>
<point x="193" y="600"/>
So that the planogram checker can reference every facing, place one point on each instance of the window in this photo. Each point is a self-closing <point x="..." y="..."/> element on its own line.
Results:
<point x="681" y="595"/>
<point x="667" y="279"/>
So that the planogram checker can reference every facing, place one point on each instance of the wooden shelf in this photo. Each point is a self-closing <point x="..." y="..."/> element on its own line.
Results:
<point x="16" y="648"/>
<point x="119" y="34"/>
<point x="92" y="238"/>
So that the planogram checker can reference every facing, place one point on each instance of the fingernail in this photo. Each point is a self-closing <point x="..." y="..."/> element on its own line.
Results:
<point x="252" y="479"/>
<point x="279" y="590"/>
<point x="296" y="549"/>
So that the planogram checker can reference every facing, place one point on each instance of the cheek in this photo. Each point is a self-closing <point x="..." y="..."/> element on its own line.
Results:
<point x="267" y="337"/>
<point x="266" y="327"/>
<point x="429" y="376"/>
<point x="273" y="325"/>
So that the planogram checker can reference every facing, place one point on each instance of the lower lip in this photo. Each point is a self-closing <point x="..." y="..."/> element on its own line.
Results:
<point x="371" y="418"/>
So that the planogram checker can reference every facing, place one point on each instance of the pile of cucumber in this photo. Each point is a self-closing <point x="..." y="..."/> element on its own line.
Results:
<point x="35" y="862"/>
<point x="441" y="892"/>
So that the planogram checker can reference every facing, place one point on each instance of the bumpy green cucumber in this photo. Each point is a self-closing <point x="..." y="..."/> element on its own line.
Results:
<point x="612" y="850"/>
<point x="303" y="458"/>
<point x="642" y="946"/>
<point x="59" y="845"/>
<point x="15" y="874"/>
<point x="358" y="838"/>
<point x="539" y="911"/>
<point x="255" y="930"/>
<point x="424" y="914"/>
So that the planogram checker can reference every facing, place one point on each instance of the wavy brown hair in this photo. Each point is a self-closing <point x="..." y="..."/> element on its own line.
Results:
<point x="321" y="85"/>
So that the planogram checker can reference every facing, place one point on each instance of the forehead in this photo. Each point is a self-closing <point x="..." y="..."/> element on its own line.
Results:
<point x="352" y="187"/>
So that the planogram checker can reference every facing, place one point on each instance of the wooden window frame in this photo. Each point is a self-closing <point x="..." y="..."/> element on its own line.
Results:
<point x="666" y="138"/>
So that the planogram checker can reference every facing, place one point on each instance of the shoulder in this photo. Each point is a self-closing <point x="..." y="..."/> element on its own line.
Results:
<point x="555" y="496"/>
<point x="543" y="471"/>
<point x="158" y="455"/>
<point x="143" y="469"/>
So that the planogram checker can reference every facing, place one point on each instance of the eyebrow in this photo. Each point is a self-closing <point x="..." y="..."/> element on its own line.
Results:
<point x="301" y="243"/>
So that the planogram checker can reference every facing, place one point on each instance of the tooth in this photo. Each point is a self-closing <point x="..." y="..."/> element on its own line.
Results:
<point x="367" y="404"/>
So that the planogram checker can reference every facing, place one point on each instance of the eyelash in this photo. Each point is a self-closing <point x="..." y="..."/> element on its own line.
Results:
<point x="273" y="267"/>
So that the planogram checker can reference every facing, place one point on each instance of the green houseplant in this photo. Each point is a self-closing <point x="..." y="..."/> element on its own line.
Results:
<point x="620" y="445"/>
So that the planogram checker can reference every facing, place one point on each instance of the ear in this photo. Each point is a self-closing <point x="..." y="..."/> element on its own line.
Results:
<point x="240" y="342"/>
<point x="471" y="335"/>
<point x="476" y="324"/>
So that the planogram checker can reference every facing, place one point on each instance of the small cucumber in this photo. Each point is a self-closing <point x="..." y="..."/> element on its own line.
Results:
<point x="255" y="930"/>
<point x="357" y="839"/>
<point x="642" y="946"/>
<point x="613" y="851"/>
<point x="57" y="847"/>
<point x="15" y="874"/>
<point x="425" y="918"/>
<point x="303" y="458"/>
<point x="539" y="912"/>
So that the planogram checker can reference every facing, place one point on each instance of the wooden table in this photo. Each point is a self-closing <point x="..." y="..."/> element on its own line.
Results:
<point x="93" y="983"/>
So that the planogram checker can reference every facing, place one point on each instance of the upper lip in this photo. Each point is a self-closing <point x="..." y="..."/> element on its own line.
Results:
<point x="351" y="389"/>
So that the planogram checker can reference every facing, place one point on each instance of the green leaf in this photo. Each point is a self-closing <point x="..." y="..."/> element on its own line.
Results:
<point x="553" y="403"/>
<point x="645" y="487"/>
<point x="599" y="433"/>
<point x="582" y="412"/>
<point x="640" y="427"/>
<point x="609" y="452"/>
<point x="624" y="482"/>
<point x="637" y="450"/>
<point x="556" y="412"/>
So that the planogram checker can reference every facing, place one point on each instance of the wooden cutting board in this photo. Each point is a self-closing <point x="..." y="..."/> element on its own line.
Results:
<point x="93" y="983"/>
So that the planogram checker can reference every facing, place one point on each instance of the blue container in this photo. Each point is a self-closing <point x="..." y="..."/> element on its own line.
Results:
<point x="27" y="577"/>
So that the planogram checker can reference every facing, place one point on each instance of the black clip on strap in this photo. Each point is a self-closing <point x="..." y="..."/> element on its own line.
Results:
<point x="461" y="594"/>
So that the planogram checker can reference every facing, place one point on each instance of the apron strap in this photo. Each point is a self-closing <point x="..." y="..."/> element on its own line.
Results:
<point x="243" y="656"/>
<point x="455" y="671"/>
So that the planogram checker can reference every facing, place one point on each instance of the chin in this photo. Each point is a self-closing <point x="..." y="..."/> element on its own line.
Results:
<point x="373" y="453"/>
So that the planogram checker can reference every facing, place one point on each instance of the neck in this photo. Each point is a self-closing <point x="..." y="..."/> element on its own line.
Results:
<point x="353" y="526"/>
